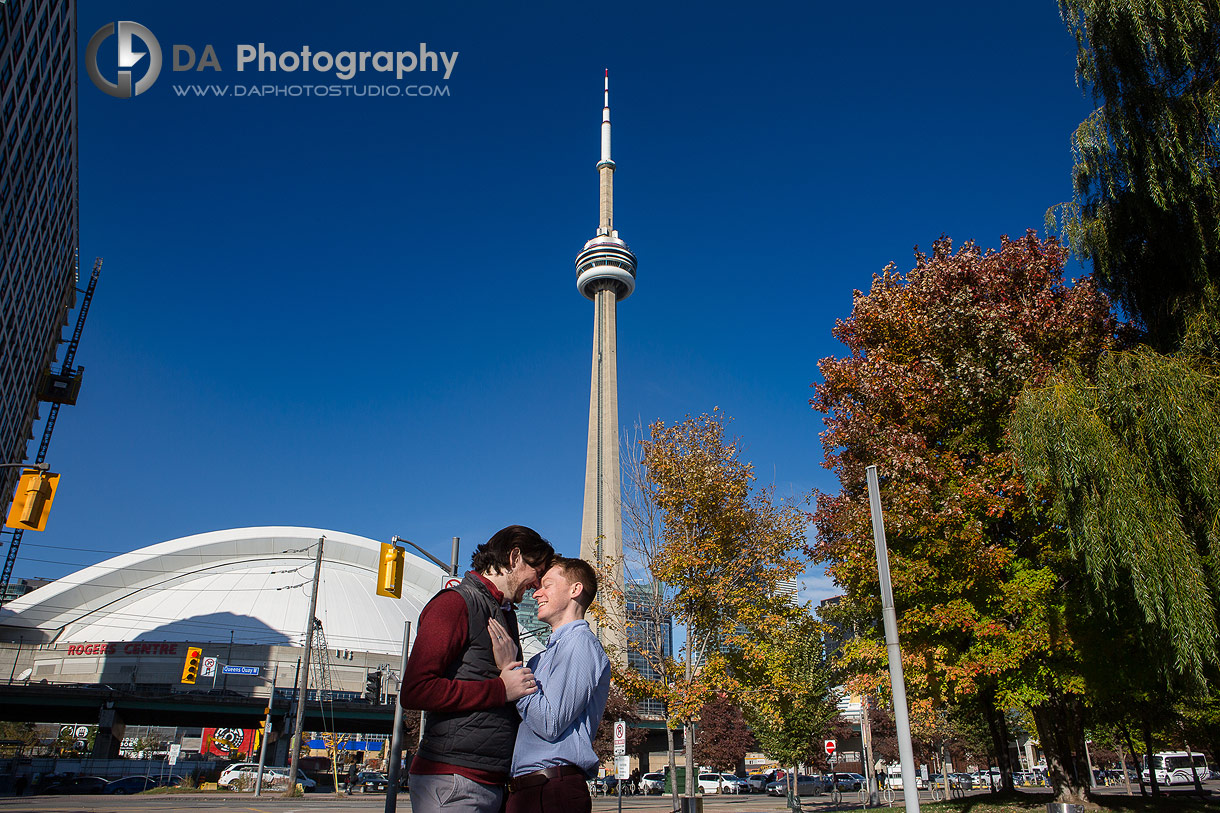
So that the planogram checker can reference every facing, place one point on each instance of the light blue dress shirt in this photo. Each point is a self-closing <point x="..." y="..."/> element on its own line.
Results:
<point x="559" y="721"/>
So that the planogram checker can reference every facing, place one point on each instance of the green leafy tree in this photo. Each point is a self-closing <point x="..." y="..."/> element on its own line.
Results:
<point x="1126" y="452"/>
<point x="1146" y="178"/>
<point x="799" y="706"/>
<point x="982" y="582"/>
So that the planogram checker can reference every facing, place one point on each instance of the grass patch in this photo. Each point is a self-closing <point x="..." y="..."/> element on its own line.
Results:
<point x="1036" y="803"/>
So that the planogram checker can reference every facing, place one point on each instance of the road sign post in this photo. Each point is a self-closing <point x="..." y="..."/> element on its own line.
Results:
<point x="621" y="760"/>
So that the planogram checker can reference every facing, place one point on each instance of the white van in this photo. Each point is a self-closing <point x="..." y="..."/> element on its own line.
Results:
<point x="241" y="775"/>
<point x="893" y="778"/>
<point x="1174" y="767"/>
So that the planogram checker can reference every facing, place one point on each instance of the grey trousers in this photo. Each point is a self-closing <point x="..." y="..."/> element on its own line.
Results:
<point x="442" y="793"/>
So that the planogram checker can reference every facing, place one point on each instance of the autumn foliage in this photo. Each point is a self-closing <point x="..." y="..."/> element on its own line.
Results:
<point x="936" y="360"/>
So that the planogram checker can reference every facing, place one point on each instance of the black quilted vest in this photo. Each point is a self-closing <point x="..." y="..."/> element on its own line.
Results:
<point x="477" y="739"/>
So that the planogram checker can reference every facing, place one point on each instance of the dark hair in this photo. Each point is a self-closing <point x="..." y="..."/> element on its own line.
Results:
<point x="494" y="553"/>
<point x="579" y="571"/>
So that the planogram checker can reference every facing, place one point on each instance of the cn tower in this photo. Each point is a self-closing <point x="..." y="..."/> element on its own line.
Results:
<point x="605" y="273"/>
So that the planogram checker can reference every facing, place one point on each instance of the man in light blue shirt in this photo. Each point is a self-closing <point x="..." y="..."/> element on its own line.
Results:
<point x="554" y="752"/>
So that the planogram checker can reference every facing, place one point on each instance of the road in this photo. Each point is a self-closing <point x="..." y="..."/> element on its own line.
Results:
<point x="317" y="802"/>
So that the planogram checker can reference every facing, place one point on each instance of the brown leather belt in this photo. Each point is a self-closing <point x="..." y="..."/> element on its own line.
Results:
<point x="533" y="780"/>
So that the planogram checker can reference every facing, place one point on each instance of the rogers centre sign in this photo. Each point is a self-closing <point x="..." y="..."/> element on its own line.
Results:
<point x="134" y="648"/>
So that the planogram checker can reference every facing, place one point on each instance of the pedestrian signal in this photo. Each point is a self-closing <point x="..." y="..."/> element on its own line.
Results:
<point x="32" y="502"/>
<point x="389" y="570"/>
<point x="190" y="669"/>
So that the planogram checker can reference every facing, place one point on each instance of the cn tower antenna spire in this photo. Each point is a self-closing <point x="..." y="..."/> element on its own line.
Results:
<point x="605" y="273"/>
<point x="605" y="168"/>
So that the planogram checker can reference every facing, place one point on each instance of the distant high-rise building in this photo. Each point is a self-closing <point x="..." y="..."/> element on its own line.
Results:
<point x="651" y="635"/>
<point x="527" y="620"/>
<point x="836" y="635"/>
<point x="38" y="198"/>
<point x="605" y="273"/>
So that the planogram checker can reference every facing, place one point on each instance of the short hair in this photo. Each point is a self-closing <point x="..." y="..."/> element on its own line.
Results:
<point x="579" y="571"/>
<point x="494" y="553"/>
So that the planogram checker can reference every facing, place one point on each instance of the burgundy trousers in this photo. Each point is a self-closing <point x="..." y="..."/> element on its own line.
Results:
<point x="567" y="794"/>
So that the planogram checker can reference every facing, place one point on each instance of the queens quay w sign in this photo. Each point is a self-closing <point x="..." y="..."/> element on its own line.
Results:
<point x="239" y="670"/>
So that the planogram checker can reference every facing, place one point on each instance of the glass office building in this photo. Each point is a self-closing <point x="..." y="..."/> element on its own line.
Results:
<point x="39" y="229"/>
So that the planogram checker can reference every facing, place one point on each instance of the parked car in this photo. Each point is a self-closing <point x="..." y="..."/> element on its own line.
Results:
<point x="805" y="786"/>
<point x="131" y="784"/>
<point x="371" y="782"/>
<point x="848" y="781"/>
<point x="651" y="783"/>
<point x="75" y="785"/>
<point x="710" y="783"/>
<point x="983" y="779"/>
<point x="757" y="782"/>
<point x="734" y="784"/>
<point x="241" y="775"/>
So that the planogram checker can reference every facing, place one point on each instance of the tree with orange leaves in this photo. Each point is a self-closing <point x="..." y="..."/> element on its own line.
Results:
<point x="707" y="549"/>
<point x="983" y="584"/>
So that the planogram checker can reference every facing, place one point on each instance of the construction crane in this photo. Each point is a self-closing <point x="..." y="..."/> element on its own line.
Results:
<point x="320" y="666"/>
<point x="57" y="389"/>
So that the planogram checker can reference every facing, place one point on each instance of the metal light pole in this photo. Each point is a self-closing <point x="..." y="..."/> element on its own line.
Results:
<point x="303" y="686"/>
<point x="396" y="741"/>
<point x="906" y="755"/>
<point x="262" y="750"/>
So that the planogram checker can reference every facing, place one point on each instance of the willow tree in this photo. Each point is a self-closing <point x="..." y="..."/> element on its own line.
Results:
<point x="1146" y="180"/>
<point x="1130" y="452"/>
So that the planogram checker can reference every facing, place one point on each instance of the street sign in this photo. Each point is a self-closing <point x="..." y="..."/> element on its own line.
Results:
<point x="449" y="582"/>
<point x="620" y="749"/>
<point x="830" y="748"/>
<point x="620" y="733"/>
<point x="622" y="766"/>
<point x="209" y="667"/>
<point x="239" y="670"/>
<point x="173" y="753"/>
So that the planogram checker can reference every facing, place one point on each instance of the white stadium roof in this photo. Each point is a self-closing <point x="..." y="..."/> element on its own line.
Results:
<point x="254" y="582"/>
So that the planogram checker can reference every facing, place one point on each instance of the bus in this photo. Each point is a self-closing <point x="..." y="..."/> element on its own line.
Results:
<point x="1174" y="767"/>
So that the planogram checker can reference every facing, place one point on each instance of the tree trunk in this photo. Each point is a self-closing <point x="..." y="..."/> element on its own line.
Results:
<point x="688" y="731"/>
<point x="1122" y="764"/>
<point x="692" y="773"/>
<point x="1194" y="772"/>
<point x="1139" y="775"/>
<point x="673" y="767"/>
<point x="1057" y="720"/>
<point x="1156" y="786"/>
<point x="997" y="725"/>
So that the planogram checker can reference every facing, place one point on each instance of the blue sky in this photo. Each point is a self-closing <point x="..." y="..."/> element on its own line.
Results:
<point x="361" y="313"/>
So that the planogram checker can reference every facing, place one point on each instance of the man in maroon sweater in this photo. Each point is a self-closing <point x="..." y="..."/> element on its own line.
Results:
<point x="471" y="722"/>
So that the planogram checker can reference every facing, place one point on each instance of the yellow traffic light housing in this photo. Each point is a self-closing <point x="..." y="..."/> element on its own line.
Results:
<point x="32" y="502"/>
<point x="389" y="570"/>
<point x="190" y="669"/>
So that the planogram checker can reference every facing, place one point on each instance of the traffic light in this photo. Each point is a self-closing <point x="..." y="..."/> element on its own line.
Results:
<point x="372" y="687"/>
<point x="190" y="669"/>
<point x="32" y="502"/>
<point x="389" y="570"/>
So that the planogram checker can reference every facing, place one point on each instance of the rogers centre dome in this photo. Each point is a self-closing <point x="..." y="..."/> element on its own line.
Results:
<point x="246" y="585"/>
